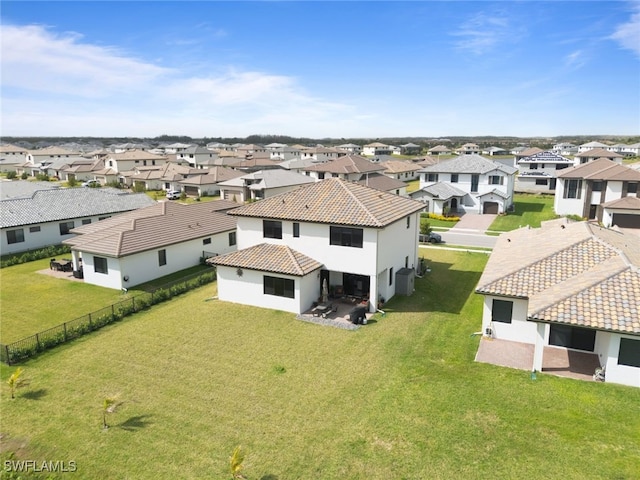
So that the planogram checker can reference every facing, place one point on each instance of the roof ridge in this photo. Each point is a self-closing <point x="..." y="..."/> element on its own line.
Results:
<point x="294" y="260"/>
<point x="343" y="184"/>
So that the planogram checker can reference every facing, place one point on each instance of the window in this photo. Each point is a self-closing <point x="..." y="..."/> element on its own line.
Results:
<point x="561" y="166"/>
<point x="65" y="227"/>
<point x="346" y="237"/>
<point x="496" y="180"/>
<point x="100" y="265"/>
<point x="475" y="179"/>
<point x="34" y="229"/>
<point x="232" y="238"/>
<point x="541" y="181"/>
<point x="454" y="178"/>
<point x="629" y="353"/>
<point x="104" y="218"/>
<point x="86" y="221"/>
<point x="597" y="186"/>
<point x="632" y="188"/>
<point x="206" y="241"/>
<point x="432" y="177"/>
<point x="280" y="287"/>
<point x="501" y="311"/>
<point x="408" y="222"/>
<point x="391" y="276"/>
<point x="271" y="229"/>
<point x="572" y="188"/>
<point x="162" y="257"/>
<point x="15" y="236"/>
<point x="533" y="166"/>
<point x="406" y="262"/>
<point x="296" y="229"/>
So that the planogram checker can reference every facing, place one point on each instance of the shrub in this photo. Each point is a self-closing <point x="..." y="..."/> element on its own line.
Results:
<point x="42" y="177"/>
<point x="72" y="182"/>
<point x="24" y="175"/>
<point x="436" y="216"/>
<point x="32" y="255"/>
<point x="11" y="175"/>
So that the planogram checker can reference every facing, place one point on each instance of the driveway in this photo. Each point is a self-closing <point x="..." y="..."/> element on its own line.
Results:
<point x="474" y="221"/>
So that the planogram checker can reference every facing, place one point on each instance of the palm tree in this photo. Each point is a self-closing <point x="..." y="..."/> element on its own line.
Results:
<point x="15" y="381"/>
<point x="235" y="463"/>
<point x="108" y="406"/>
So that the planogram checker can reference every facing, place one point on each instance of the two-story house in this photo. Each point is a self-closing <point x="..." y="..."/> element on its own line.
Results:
<point x="12" y="157"/>
<point x="261" y="184"/>
<point x="376" y="148"/>
<point x="347" y="167"/>
<point x="356" y="240"/>
<point x="568" y="290"/>
<point x="588" y="189"/>
<point x="596" y="153"/>
<point x="196" y="156"/>
<point x="401" y="170"/>
<point x="468" y="149"/>
<point x="468" y="183"/>
<point x="537" y="172"/>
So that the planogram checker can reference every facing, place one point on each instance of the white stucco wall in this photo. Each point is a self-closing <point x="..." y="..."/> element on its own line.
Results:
<point x="568" y="206"/>
<point x="622" y="374"/>
<point x="519" y="330"/>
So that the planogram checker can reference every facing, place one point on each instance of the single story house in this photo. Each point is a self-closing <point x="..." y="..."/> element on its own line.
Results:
<point x="566" y="285"/>
<point x="262" y="184"/>
<point x="152" y="242"/>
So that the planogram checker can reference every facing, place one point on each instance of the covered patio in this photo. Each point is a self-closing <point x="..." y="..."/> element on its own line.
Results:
<point x="335" y="313"/>
<point x="557" y="361"/>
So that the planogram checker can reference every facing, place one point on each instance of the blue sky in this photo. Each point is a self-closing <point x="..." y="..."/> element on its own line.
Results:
<point x="320" y="69"/>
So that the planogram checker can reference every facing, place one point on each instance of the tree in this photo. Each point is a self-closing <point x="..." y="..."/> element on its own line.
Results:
<point x="15" y="381"/>
<point x="109" y="405"/>
<point x="425" y="227"/>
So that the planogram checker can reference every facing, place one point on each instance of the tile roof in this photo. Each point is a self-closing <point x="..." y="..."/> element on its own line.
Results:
<point x="443" y="191"/>
<point x="23" y="188"/>
<point x="347" y="164"/>
<point x="598" y="152"/>
<point x="527" y="152"/>
<point x="627" y="203"/>
<point x="545" y="157"/>
<point x="573" y="273"/>
<point x="468" y="164"/>
<point x="267" y="257"/>
<point x="380" y="181"/>
<point x="52" y="150"/>
<point x="66" y="203"/>
<point x="136" y="155"/>
<point x="269" y="179"/>
<point x="334" y="201"/>
<point x="601" y="169"/>
<point x="159" y="225"/>
<point x="400" y="166"/>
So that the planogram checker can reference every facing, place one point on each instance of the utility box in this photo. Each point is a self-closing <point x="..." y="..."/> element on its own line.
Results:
<point x="405" y="279"/>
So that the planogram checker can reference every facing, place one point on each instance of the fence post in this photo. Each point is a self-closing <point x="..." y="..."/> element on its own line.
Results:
<point x="133" y="303"/>
<point x="64" y="325"/>
<point x="38" y="341"/>
<point x="6" y="349"/>
<point x="91" y="326"/>
<point x="113" y="313"/>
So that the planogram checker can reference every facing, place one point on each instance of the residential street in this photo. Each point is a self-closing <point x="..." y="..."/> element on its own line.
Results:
<point x="469" y="238"/>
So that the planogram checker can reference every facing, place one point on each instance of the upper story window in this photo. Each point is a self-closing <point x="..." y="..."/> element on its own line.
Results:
<point x="162" y="257"/>
<point x="496" y="180"/>
<point x="572" y="188"/>
<point x="431" y="177"/>
<point x="271" y="229"/>
<point x="296" y="229"/>
<point x="346" y="236"/>
<point x="632" y="188"/>
<point x="408" y="222"/>
<point x="86" y="221"/>
<point x="232" y="239"/>
<point x="454" y="178"/>
<point x="206" y="241"/>
<point x="65" y="227"/>
<point x="597" y="186"/>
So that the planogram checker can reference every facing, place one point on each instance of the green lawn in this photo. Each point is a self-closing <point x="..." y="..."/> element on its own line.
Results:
<point x="399" y="398"/>
<point x="529" y="210"/>
<point x="31" y="302"/>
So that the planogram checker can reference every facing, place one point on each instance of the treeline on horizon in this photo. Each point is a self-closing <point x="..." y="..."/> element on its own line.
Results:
<point x="482" y="141"/>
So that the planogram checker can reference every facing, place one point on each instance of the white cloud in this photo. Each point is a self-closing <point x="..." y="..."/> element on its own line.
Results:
<point x="482" y="32"/>
<point x="575" y="59"/>
<point x="628" y="34"/>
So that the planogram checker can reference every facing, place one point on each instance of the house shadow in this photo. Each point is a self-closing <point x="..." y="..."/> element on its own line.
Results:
<point x="35" y="394"/>
<point x="269" y="476"/>
<point x="135" y="423"/>
<point x="441" y="289"/>
<point x="522" y="207"/>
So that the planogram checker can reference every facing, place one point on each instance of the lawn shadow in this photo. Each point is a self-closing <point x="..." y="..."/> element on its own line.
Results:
<point x="522" y="207"/>
<point x="269" y="476"/>
<point x="135" y="423"/>
<point x="34" y="394"/>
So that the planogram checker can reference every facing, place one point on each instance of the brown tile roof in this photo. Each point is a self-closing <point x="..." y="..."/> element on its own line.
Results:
<point x="380" y="181"/>
<point x="628" y="203"/>
<point x="268" y="257"/>
<point x="136" y="155"/>
<point x="166" y="223"/>
<point x="334" y="201"/>
<point x="601" y="169"/>
<point x="566" y="272"/>
<point x="597" y="153"/>
<point x="400" y="166"/>
<point x="347" y="164"/>
<point x="529" y="151"/>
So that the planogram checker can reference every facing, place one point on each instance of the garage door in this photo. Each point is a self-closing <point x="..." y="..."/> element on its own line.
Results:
<point x="626" y="220"/>
<point x="191" y="191"/>
<point x="490" y="207"/>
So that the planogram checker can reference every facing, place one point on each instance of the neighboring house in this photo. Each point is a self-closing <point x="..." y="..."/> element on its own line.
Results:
<point x="152" y="242"/>
<point x="572" y="286"/>
<point x="24" y="188"/>
<point x="565" y="148"/>
<point x="488" y="185"/>
<point x="440" y="198"/>
<point x="48" y="216"/>
<point x="207" y="184"/>
<point x="285" y="153"/>
<point x="468" y="149"/>
<point x="320" y="154"/>
<point x="347" y="167"/>
<point x="591" y="145"/>
<point x="358" y="240"/>
<point x="258" y="162"/>
<point x="591" y="155"/>
<point x="410" y="149"/>
<point x="537" y="172"/>
<point x="439" y="150"/>
<point x="632" y="150"/>
<point x="38" y="160"/>
<point x="401" y="170"/>
<point x="196" y="156"/>
<point x="583" y="189"/>
<point x="351" y="148"/>
<point x="261" y="184"/>
<point x="382" y="182"/>
<point x="12" y="157"/>
<point x="130" y="159"/>
<point x="491" y="151"/>
<point x="164" y="177"/>
<point x="376" y="148"/>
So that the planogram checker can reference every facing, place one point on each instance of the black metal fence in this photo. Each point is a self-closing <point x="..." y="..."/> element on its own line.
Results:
<point x="31" y="346"/>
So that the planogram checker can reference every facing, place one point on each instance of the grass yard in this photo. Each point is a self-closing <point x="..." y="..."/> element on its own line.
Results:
<point x="399" y="398"/>
<point x="32" y="302"/>
<point x="529" y="210"/>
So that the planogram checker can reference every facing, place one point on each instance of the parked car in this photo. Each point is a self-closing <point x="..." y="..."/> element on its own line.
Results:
<point x="173" y="194"/>
<point x="431" y="238"/>
<point x="91" y="183"/>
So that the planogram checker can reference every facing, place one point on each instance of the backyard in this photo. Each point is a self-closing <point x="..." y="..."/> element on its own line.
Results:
<point x="399" y="398"/>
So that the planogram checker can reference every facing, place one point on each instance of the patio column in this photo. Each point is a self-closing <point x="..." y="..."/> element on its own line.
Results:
<point x="75" y="258"/>
<point x="373" y="293"/>
<point x="538" y="352"/>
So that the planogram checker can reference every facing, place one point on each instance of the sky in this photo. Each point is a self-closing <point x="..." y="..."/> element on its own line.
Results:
<point x="328" y="69"/>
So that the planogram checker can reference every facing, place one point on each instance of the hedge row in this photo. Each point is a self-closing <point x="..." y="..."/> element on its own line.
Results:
<point x="32" y="255"/>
